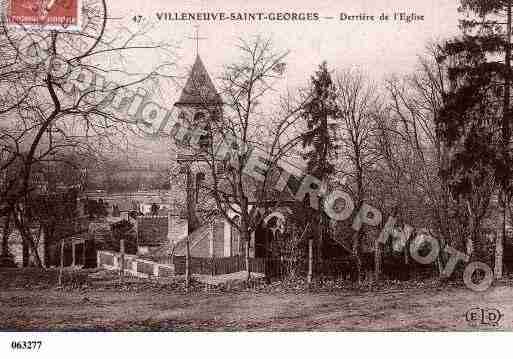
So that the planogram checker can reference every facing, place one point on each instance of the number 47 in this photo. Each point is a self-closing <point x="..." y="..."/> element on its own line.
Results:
<point x="137" y="18"/>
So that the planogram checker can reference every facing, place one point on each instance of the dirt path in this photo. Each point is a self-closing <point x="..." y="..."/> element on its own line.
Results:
<point x="110" y="309"/>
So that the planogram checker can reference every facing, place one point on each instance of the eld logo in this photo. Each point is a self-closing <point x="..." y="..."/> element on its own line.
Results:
<point x="483" y="316"/>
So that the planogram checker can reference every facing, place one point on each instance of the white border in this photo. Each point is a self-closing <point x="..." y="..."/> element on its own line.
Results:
<point x="259" y="345"/>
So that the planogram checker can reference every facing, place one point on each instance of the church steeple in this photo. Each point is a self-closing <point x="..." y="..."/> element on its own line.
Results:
<point x="199" y="89"/>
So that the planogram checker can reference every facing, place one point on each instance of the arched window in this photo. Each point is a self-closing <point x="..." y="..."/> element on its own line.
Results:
<point x="182" y="116"/>
<point x="183" y="121"/>
<point x="200" y="120"/>
<point x="215" y="114"/>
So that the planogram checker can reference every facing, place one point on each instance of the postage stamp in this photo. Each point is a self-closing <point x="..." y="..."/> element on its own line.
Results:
<point x="62" y="15"/>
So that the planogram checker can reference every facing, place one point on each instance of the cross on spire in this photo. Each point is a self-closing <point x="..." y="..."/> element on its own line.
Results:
<point x="197" y="38"/>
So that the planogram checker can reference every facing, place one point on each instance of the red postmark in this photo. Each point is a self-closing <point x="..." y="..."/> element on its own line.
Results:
<point x="44" y="13"/>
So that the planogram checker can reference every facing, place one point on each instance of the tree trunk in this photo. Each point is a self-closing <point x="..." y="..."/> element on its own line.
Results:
<point x="469" y="245"/>
<point x="122" y="266"/>
<point x="309" y="277"/>
<point x="5" y="236"/>
<point x="377" y="260"/>
<point x="246" y="254"/>
<point x="499" y="245"/>
<point x="29" y="245"/>
<point x="506" y="129"/>
<point x="292" y="261"/>
<point x="320" y="240"/>
<point x="356" y="256"/>
<point x="498" y="255"/>
<point x="5" y="257"/>
<point x="406" y="255"/>
<point x="358" y="235"/>
<point x="61" y="267"/>
<point x="187" y="264"/>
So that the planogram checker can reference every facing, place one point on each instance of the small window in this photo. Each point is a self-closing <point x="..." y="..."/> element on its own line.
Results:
<point x="206" y="139"/>
<point x="199" y="118"/>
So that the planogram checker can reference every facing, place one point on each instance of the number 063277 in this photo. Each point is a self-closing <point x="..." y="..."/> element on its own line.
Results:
<point x="26" y="345"/>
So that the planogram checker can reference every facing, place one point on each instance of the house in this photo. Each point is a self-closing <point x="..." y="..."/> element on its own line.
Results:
<point x="152" y="231"/>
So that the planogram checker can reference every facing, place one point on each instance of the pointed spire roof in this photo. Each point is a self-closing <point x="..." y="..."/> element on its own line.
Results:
<point x="199" y="88"/>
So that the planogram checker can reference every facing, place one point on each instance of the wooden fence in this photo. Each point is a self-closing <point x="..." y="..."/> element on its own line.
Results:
<point x="134" y="265"/>
<point x="217" y="266"/>
<point x="166" y="267"/>
<point x="76" y="251"/>
<point x="272" y="268"/>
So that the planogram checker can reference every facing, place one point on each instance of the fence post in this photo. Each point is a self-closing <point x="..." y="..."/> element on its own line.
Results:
<point x="499" y="251"/>
<point x="378" y="266"/>
<point x="84" y="253"/>
<point x="62" y="263"/>
<point x="122" y="250"/>
<point x="73" y="252"/>
<point x="134" y="266"/>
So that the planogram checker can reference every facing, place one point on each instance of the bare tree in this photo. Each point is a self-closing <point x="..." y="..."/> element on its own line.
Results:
<point x="61" y="99"/>
<point x="242" y="144"/>
<point x="358" y="108"/>
<point x="416" y="171"/>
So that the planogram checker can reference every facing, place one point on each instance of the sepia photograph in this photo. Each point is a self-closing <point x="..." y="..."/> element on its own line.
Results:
<point x="328" y="167"/>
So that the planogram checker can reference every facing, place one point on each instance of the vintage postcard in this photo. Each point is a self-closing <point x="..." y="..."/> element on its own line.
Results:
<point x="272" y="166"/>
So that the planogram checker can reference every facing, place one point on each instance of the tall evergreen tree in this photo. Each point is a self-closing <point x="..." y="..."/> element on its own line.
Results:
<point x="319" y="141"/>
<point x="487" y="35"/>
<point x="475" y="118"/>
<point x="470" y="124"/>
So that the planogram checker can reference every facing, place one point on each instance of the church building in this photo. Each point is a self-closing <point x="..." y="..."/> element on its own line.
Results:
<point x="192" y="210"/>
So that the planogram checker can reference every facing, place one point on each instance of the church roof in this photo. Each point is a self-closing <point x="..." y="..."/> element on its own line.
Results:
<point x="199" y="88"/>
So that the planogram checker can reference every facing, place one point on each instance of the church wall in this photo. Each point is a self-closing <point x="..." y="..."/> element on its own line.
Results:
<point x="202" y="249"/>
<point x="177" y="188"/>
<point x="177" y="228"/>
<point x="227" y="238"/>
<point x="218" y="233"/>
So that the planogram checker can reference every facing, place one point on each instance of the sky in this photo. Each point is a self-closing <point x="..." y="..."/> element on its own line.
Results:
<point x="377" y="48"/>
